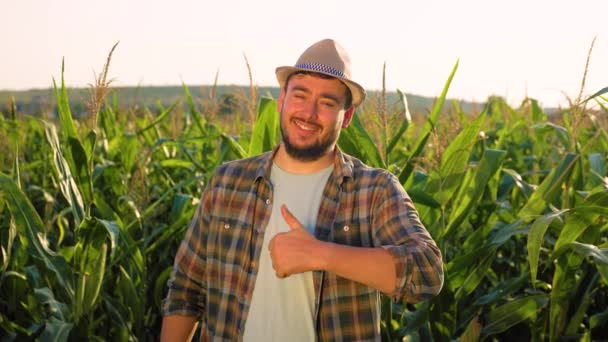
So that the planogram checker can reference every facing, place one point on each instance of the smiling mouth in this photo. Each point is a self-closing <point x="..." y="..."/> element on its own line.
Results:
<point x="306" y="126"/>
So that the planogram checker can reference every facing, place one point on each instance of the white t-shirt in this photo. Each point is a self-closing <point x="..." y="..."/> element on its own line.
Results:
<point x="283" y="309"/>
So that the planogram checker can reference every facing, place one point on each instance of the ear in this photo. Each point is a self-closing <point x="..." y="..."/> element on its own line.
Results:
<point x="348" y="116"/>
<point x="280" y="100"/>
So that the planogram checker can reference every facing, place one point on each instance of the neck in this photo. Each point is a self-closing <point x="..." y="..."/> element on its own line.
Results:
<point x="290" y="164"/>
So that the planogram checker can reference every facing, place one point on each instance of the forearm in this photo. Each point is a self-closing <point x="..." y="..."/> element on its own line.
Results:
<point x="409" y="269"/>
<point x="373" y="267"/>
<point x="178" y="328"/>
<point x="419" y="270"/>
<point x="415" y="255"/>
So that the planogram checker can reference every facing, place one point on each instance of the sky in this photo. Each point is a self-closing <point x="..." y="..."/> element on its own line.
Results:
<point x="513" y="49"/>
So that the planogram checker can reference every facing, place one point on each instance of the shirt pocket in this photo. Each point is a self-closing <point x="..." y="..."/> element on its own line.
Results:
<point x="352" y="232"/>
<point x="228" y="250"/>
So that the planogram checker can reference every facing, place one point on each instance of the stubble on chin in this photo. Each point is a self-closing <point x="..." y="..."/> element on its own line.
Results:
<point x="312" y="152"/>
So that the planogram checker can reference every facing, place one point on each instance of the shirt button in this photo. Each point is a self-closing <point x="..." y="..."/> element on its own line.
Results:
<point x="268" y="201"/>
<point x="346" y="228"/>
<point x="226" y="226"/>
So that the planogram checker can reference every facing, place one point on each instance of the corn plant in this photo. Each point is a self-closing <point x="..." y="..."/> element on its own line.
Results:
<point x="92" y="212"/>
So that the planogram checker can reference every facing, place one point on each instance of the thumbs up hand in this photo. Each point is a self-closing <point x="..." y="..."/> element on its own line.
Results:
<point x="296" y="250"/>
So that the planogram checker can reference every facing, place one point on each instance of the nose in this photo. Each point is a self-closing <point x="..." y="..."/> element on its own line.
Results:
<point x="310" y="110"/>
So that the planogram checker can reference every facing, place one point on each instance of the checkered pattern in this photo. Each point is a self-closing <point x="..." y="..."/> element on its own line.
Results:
<point x="216" y="266"/>
<point x="322" y="68"/>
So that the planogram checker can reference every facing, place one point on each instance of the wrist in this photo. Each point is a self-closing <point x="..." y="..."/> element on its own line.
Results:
<point x="322" y="255"/>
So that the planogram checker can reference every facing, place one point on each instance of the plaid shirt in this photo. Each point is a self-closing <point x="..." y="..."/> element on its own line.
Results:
<point x="216" y="265"/>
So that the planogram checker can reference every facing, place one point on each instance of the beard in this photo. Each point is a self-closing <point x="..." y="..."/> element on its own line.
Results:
<point x="313" y="151"/>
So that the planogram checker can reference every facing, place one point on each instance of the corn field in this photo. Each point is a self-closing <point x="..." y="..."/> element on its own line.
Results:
<point x="92" y="212"/>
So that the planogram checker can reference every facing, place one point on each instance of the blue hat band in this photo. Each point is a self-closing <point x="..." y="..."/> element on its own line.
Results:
<point x="321" y="68"/>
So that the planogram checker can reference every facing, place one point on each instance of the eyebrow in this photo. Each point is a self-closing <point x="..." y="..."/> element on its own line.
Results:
<point x="323" y="95"/>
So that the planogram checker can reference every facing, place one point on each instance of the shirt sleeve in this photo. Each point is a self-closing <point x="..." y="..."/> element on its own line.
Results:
<point x="187" y="289"/>
<point x="417" y="259"/>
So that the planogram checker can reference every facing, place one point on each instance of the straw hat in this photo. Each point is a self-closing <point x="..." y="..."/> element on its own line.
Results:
<point x="329" y="58"/>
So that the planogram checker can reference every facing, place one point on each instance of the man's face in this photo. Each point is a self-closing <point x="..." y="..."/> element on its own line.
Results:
<point x="312" y="114"/>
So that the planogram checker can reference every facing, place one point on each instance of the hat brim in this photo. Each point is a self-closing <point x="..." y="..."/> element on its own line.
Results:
<point x="357" y="91"/>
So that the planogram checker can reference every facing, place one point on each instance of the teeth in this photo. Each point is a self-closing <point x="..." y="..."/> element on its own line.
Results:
<point x="304" y="126"/>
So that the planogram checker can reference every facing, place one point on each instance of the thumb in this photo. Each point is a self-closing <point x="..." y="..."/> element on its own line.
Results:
<point x="291" y="220"/>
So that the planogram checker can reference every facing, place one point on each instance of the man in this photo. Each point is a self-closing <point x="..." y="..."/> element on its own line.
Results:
<point x="297" y="244"/>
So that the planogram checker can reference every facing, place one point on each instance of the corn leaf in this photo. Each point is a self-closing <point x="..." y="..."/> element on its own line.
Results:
<point x="265" y="134"/>
<point x="126" y="147"/>
<point x="56" y="330"/>
<point x="108" y="123"/>
<point x="356" y="141"/>
<point x="176" y="163"/>
<point x="473" y="187"/>
<point x="164" y="113"/>
<point x="455" y="159"/>
<point x="428" y="128"/>
<point x="29" y="224"/>
<point x="549" y="189"/>
<point x="599" y="320"/>
<point x="231" y="149"/>
<point x="545" y="128"/>
<point x="594" y="206"/>
<point x="405" y="123"/>
<point x="63" y="107"/>
<point x="597" y="163"/>
<point x="466" y="263"/>
<point x="537" y="113"/>
<point x="127" y="289"/>
<point x="598" y="93"/>
<point x="66" y="181"/>
<point x="535" y="239"/>
<point x="475" y="275"/>
<point x="563" y="285"/>
<point x="599" y="255"/>
<point x="196" y="115"/>
<point x="93" y="273"/>
<point x="56" y="309"/>
<point x="6" y="245"/>
<point x="582" y="306"/>
<point x="512" y="313"/>
<point x="419" y="196"/>
<point x="79" y="165"/>
<point x="502" y="290"/>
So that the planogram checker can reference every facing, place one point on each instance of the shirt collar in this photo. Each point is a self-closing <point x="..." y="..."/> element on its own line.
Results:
<point x="343" y="166"/>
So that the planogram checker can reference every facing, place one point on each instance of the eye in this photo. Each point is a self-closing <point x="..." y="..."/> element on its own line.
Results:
<point x="328" y="104"/>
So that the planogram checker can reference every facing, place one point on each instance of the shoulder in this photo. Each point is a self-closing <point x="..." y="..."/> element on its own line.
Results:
<point x="243" y="166"/>
<point x="364" y="174"/>
<point x="241" y="173"/>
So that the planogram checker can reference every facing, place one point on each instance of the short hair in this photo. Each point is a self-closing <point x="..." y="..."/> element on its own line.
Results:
<point x="349" y="95"/>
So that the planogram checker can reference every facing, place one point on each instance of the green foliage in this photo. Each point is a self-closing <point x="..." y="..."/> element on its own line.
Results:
<point x="265" y="134"/>
<point x="91" y="217"/>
